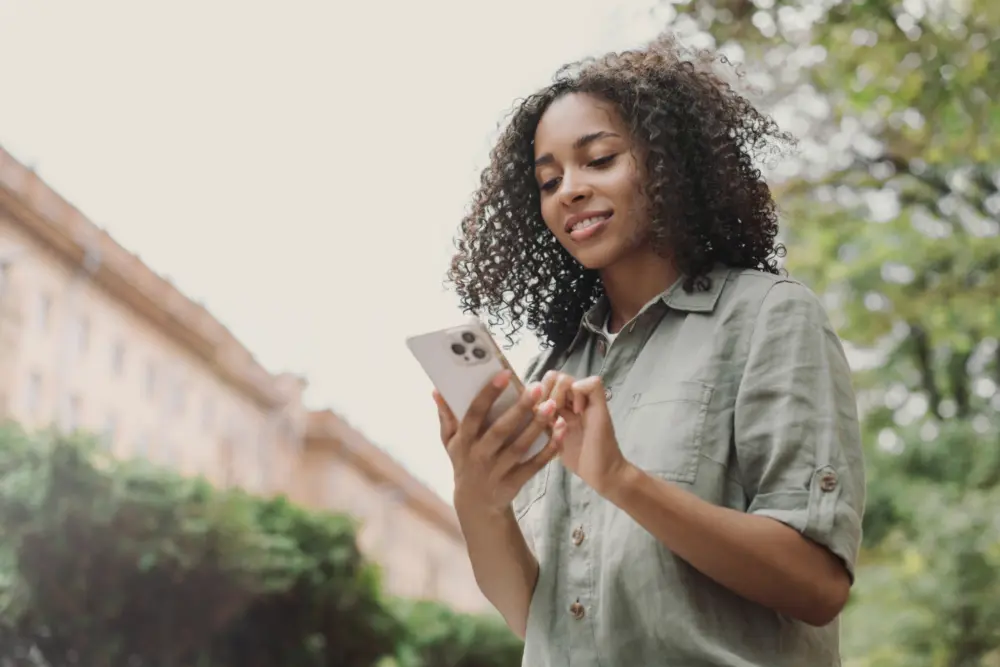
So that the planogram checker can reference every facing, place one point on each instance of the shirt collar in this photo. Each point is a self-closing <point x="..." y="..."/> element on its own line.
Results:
<point x="674" y="297"/>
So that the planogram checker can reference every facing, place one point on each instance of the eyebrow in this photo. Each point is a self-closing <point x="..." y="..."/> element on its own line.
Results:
<point x="582" y="142"/>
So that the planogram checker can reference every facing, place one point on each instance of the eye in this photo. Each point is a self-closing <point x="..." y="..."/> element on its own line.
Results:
<point x="550" y="185"/>
<point x="602" y="161"/>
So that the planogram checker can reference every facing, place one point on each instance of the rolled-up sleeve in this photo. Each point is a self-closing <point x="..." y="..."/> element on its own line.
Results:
<point x="798" y="439"/>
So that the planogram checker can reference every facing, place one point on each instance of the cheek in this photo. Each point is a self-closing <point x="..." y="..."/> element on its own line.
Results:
<point x="549" y="210"/>
<point x="630" y="193"/>
<point x="628" y="184"/>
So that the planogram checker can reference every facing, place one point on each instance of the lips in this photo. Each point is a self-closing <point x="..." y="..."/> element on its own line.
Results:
<point x="586" y="219"/>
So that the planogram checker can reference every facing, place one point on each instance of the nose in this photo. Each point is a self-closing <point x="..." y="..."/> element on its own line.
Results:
<point x="574" y="189"/>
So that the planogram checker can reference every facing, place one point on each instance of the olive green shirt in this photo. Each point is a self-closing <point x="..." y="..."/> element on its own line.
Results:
<point x="740" y="394"/>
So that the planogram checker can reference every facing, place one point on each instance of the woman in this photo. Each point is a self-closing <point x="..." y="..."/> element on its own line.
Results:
<point x="700" y="501"/>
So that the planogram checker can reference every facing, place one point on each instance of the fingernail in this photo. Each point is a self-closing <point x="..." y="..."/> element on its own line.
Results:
<point x="500" y="381"/>
<point x="546" y="408"/>
<point x="535" y="391"/>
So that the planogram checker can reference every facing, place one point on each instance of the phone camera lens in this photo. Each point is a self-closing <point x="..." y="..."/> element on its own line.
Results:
<point x="479" y="353"/>
<point x="469" y="337"/>
<point x="458" y="348"/>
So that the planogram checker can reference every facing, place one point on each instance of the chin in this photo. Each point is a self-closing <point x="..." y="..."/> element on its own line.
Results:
<point x="598" y="258"/>
<point x="594" y="263"/>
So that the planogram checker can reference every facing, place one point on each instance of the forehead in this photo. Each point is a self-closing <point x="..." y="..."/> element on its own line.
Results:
<point x="573" y="116"/>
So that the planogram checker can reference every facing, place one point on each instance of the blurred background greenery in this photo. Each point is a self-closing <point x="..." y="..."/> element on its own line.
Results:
<point x="891" y="211"/>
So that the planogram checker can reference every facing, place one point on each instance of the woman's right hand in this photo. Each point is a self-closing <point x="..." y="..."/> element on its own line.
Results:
<point x="488" y="472"/>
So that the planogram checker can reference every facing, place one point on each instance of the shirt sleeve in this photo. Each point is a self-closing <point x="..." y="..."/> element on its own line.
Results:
<point x="798" y="438"/>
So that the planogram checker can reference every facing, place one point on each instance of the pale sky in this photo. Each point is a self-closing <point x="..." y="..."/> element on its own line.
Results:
<point x="300" y="167"/>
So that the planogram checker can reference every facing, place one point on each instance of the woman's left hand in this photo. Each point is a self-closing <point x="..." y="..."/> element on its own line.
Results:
<point x="589" y="446"/>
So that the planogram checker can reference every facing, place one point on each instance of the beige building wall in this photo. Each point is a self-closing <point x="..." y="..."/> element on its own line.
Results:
<point x="90" y="338"/>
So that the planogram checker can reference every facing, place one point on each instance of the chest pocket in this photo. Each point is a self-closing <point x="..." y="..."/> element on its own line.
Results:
<point x="665" y="428"/>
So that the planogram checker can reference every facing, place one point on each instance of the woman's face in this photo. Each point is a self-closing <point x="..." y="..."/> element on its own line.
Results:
<point x="589" y="180"/>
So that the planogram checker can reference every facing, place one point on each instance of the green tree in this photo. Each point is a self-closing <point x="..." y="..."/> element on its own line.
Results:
<point x="891" y="211"/>
<point x="438" y="636"/>
<point x="117" y="563"/>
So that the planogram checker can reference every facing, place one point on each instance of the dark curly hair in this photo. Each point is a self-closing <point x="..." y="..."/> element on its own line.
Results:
<point x="706" y="198"/>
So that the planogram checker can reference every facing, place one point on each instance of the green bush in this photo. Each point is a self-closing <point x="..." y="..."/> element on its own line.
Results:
<point x="119" y="563"/>
<point x="440" y="637"/>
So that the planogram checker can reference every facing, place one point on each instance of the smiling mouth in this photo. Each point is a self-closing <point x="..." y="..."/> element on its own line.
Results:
<point x="589" y="222"/>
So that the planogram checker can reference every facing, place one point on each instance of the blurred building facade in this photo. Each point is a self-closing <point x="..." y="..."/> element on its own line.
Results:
<point x="91" y="338"/>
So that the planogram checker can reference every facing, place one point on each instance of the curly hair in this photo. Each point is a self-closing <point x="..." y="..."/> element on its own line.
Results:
<point x="706" y="198"/>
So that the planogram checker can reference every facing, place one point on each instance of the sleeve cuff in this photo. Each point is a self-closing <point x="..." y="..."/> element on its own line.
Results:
<point x="819" y="513"/>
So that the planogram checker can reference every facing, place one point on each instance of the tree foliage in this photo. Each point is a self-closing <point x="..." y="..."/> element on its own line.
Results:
<point x="440" y="636"/>
<point x="892" y="212"/>
<point x="118" y="563"/>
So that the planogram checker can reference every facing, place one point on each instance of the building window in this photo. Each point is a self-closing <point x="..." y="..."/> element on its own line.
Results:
<point x="33" y="394"/>
<point x="207" y="414"/>
<point x="227" y="462"/>
<point x="177" y="402"/>
<point x="118" y="358"/>
<point x="73" y="410"/>
<point x="43" y="313"/>
<point x="263" y="462"/>
<point x="149" y="381"/>
<point x="170" y="454"/>
<point x="142" y="445"/>
<point x="287" y="429"/>
<point x="432" y="577"/>
<point x="82" y="334"/>
<point x="109" y="432"/>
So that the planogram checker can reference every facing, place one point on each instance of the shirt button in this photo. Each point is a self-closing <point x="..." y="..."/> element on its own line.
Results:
<point x="577" y="611"/>
<point x="828" y="482"/>
<point x="608" y="393"/>
<point x="578" y="536"/>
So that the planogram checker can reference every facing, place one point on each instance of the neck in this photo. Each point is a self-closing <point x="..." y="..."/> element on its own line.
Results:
<point x="631" y="284"/>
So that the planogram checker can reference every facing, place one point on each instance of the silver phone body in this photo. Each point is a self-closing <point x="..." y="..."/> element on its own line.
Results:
<point x="461" y="361"/>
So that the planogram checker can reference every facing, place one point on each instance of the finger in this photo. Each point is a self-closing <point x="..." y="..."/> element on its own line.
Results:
<point x="548" y="382"/>
<point x="510" y="422"/>
<point x="587" y="390"/>
<point x="510" y="456"/>
<point x="561" y="390"/>
<point x="591" y="387"/>
<point x="446" y="418"/>
<point x="520" y="475"/>
<point x="472" y="424"/>
<point x="559" y="430"/>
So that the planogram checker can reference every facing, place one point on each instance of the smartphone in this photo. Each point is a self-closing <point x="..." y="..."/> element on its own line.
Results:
<point x="461" y="361"/>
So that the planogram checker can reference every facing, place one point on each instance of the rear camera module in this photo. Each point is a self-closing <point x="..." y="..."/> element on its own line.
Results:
<point x="458" y="348"/>
<point x="479" y="353"/>
<point x="468" y="337"/>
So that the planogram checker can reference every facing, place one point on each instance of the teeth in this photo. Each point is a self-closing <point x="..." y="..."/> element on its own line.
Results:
<point x="589" y="222"/>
